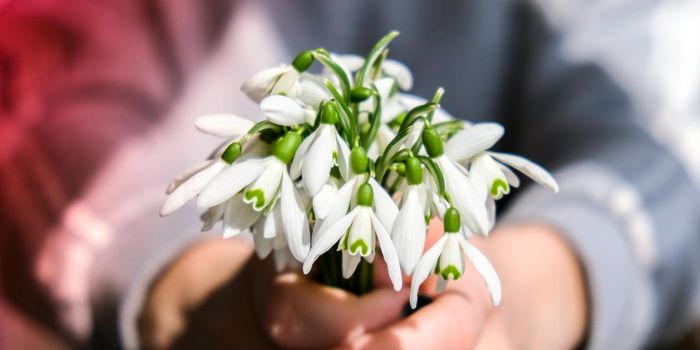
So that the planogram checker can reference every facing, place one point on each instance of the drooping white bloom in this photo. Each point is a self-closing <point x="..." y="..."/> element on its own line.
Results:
<point x="468" y="200"/>
<point x="408" y="233"/>
<point x="189" y="184"/>
<point x="446" y="258"/>
<point x="258" y="184"/>
<point x="471" y="144"/>
<point x="317" y="155"/>
<point x="283" y="79"/>
<point x="357" y="233"/>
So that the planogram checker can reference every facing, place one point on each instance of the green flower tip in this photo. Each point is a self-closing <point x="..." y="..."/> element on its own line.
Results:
<point x="450" y="271"/>
<point x="433" y="143"/>
<point x="365" y="195"/>
<point x="499" y="186"/>
<point x="329" y="113"/>
<point x="400" y="168"/>
<point x="414" y="171"/>
<point x="360" y="94"/>
<point x="257" y="196"/>
<point x="303" y="61"/>
<point x="452" y="221"/>
<point x="358" y="245"/>
<point x="358" y="160"/>
<point x="286" y="146"/>
<point x="232" y="152"/>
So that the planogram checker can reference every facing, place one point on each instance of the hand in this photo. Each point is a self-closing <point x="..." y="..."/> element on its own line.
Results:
<point x="217" y="295"/>
<point x="544" y="304"/>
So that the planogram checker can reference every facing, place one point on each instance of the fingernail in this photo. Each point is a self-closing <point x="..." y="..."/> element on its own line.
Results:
<point x="422" y="301"/>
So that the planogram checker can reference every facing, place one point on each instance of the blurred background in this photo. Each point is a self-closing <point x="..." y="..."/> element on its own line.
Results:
<point x="97" y="101"/>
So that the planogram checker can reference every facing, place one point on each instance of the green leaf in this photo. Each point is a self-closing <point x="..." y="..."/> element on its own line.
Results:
<point x="336" y="69"/>
<point x="377" y="50"/>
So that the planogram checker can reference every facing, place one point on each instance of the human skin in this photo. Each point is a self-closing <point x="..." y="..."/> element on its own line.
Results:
<point x="216" y="294"/>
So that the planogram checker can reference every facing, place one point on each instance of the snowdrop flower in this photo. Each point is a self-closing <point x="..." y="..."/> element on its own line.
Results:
<point x="283" y="79"/>
<point x="189" y="184"/>
<point x="259" y="183"/>
<point x="446" y="258"/>
<point x="467" y="199"/>
<point x="486" y="169"/>
<point x="345" y="197"/>
<point x="410" y="226"/>
<point x="357" y="234"/>
<point x="315" y="156"/>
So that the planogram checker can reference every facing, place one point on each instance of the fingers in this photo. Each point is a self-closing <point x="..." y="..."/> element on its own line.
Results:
<point x="454" y="320"/>
<point x="305" y="314"/>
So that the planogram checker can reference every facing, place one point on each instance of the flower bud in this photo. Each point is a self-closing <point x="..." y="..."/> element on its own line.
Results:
<point x="358" y="160"/>
<point x="286" y="146"/>
<point x="451" y="222"/>
<point x="329" y="113"/>
<point x="360" y="94"/>
<point x="400" y="169"/>
<point x="232" y="152"/>
<point x="414" y="172"/>
<point x="365" y="195"/>
<point x="303" y="61"/>
<point x="432" y="142"/>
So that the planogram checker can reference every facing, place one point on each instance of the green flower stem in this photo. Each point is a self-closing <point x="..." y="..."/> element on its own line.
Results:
<point x="323" y="57"/>
<point x="376" y="117"/>
<point x="349" y="127"/>
<point x="373" y="55"/>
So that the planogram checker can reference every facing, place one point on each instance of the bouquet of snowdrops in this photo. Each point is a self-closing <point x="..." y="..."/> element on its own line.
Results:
<point x="345" y="164"/>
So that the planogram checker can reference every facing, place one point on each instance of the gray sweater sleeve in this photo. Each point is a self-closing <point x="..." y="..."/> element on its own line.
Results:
<point x="627" y="205"/>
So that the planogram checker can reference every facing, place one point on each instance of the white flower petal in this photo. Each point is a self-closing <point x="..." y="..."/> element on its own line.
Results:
<point x="350" y="263"/>
<point x="491" y="212"/>
<point x="328" y="238"/>
<point x="425" y="266"/>
<point x="343" y="156"/>
<point x="360" y="239"/>
<point x="529" y="168"/>
<point x="340" y="206"/>
<point x="187" y="174"/>
<point x="513" y="179"/>
<point x="294" y="218"/>
<point x="230" y="181"/>
<point x="300" y="155"/>
<point x="223" y="125"/>
<point x="257" y="86"/>
<point x="319" y="160"/>
<point x="212" y="215"/>
<point x="238" y="217"/>
<point x="441" y="284"/>
<point x="282" y="110"/>
<point x="384" y="206"/>
<point x="465" y="196"/>
<point x="473" y="140"/>
<point x="287" y="84"/>
<point x="263" y="246"/>
<point x="312" y="91"/>
<point x="388" y="251"/>
<point x="267" y="185"/>
<point x="273" y="225"/>
<point x="350" y="62"/>
<point x="409" y="230"/>
<point x="192" y="187"/>
<point x="484" y="268"/>
<point x="323" y="200"/>
<point x="400" y="72"/>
